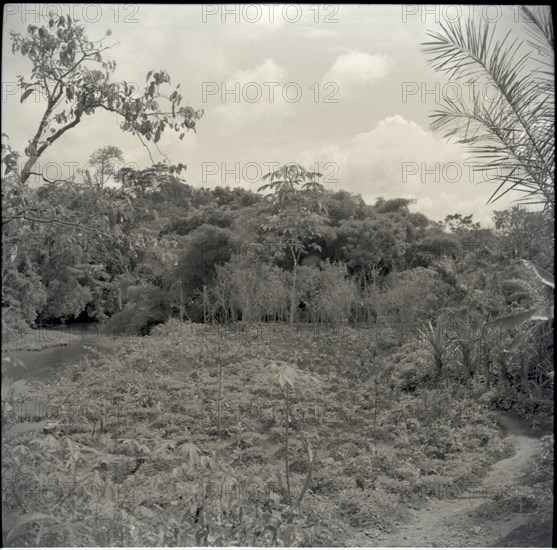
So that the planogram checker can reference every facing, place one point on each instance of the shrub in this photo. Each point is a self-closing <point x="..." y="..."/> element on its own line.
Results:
<point x="152" y="308"/>
<point x="413" y="295"/>
<point x="407" y="369"/>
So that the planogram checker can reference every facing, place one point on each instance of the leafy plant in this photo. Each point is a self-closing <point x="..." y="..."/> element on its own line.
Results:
<point x="286" y="381"/>
<point x="541" y="312"/>
<point x="439" y="345"/>
<point x="286" y="378"/>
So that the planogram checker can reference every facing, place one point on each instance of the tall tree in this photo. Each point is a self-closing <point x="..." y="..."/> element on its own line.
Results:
<point x="373" y="243"/>
<point x="69" y="71"/>
<point x="104" y="163"/>
<point x="298" y="215"/>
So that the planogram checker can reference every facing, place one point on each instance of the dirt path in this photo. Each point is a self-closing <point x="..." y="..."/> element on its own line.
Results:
<point x="449" y="522"/>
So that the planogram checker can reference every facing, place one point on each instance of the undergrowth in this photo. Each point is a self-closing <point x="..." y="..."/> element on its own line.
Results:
<point x="131" y="454"/>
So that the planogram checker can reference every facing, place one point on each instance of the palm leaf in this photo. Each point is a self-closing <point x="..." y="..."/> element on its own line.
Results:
<point x="514" y="134"/>
<point x="544" y="276"/>
<point x="539" y="313"/>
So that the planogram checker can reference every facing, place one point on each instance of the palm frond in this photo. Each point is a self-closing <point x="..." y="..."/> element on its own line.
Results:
<point x="543" y="275"/>
<point x="539" y="26"/>
<point x="539" y="313"/>
<point x="513" y="134"/>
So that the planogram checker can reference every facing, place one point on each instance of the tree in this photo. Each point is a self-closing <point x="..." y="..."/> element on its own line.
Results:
<point x="298" y="217"/>
<point x="372" y="243"/>
<point x="457" y="223"/>
<point x="399" y="205"/>
<point x="207" y="247"/>
<point x="412" y="296"/>
<point x="140" y="183"/>
<point x="249" y="286"/>
<point x="336" y="293"/>
<point x="104" y="161"/>
<point x="513" y="134"/>
<point x="527" y="235"/>
<point x="342" y="205"/>
<point x="69" y="71"/>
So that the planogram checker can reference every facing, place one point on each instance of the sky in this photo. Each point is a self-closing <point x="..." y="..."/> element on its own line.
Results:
<point x="341" y="89"/>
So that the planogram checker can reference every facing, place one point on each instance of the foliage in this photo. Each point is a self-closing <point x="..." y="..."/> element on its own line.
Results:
<point x="438" y="344"/>
<point x="133" y="456"/>
<point x="104" y="161"/>
<point x="542" y="312"/>
<point x="335" y="294"/>
<point x="514" y="133"/>
<point x="373" y="243"/>
<point x="298" y="216"/>
<point x="69" y="71"/>
<point x="412" y="296"/>
<point x="150" y="307"/>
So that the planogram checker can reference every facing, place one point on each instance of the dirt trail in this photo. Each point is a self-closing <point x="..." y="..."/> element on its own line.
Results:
<point x="449" y="522"/>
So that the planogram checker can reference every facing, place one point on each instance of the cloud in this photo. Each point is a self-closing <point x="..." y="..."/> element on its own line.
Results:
<point x="400" y="158"/>
<point x="268" y="71"/>
<point x="354" y="68"/>
<point x="253" y="94"/>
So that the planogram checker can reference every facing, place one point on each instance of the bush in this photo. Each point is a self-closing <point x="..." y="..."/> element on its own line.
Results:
<point x="413" y="295"/>
<point x="336" y="295"/>
<point x="152" y="309"/>
<point x="407" y="370"/>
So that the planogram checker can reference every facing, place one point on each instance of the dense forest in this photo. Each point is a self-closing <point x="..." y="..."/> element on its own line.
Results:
<point x="419" y="311"/>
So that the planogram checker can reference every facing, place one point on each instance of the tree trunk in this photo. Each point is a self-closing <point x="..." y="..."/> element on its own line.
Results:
<point x="204" y="304"/>
<point x="293" y="304"/>
<point x="181" y="302"/>
<point x="487" y="367"/>
<point x="26" y="171"/>
<point x="438" y="369"/>
<point x="286" y="464"/>
<point x="466" y="360"/>
<point x="219" y="406"/>
<point x="525" y="374"/>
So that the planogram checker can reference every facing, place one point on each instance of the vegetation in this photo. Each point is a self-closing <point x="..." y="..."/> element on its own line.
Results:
<point x="136" y="456"/>
<point x="292" y="368"/>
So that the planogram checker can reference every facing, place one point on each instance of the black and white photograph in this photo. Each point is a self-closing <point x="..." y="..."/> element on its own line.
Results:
<point x="277" y="275"/>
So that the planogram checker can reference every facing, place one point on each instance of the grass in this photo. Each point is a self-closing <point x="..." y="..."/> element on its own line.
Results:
<point x="136" y="458"/>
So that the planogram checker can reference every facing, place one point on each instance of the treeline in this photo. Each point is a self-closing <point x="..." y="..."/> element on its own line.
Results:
<point x="156" y="247"/>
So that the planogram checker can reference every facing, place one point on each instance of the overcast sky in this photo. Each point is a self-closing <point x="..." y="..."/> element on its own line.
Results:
<point x="348" y="86"/>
